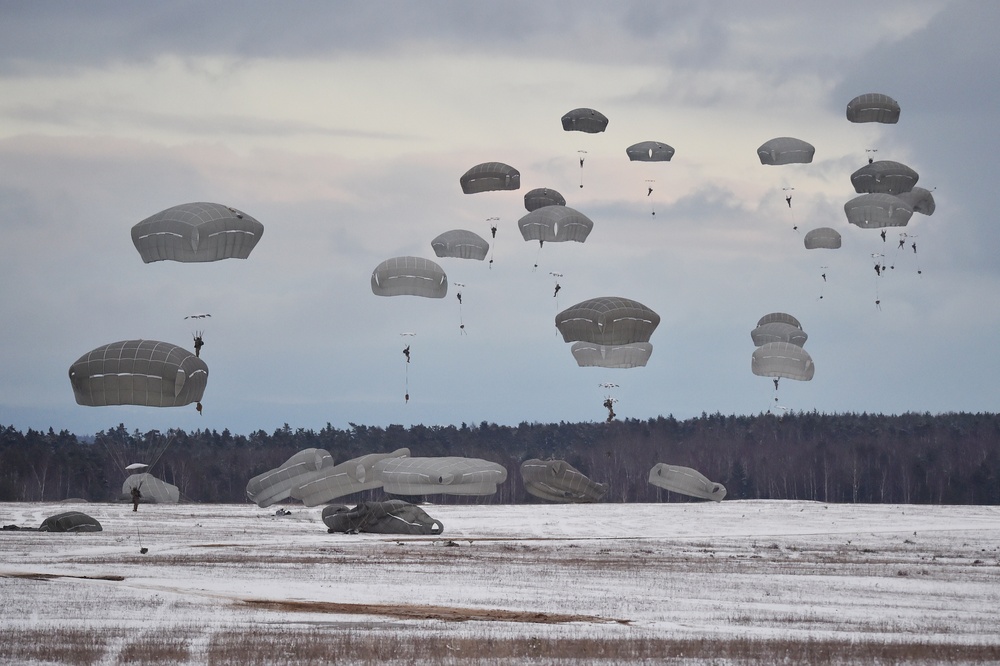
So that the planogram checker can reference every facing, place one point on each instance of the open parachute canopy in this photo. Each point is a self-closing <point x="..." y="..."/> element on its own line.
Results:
<point x="686" y="481"/>
<point x="409" y="276"/>
<point x="461" y="244"/>
<point x="873" y="108"/>
<point x="489" y="177"/>
<point x="196" y="232"/>
<point x="584" y="120"/>
<point x="782" y="359"/>
<point x="555" y="224"/>
<point x="822" y="238"/>
<point x="783" y="317"/>
<point x="873" y="211"/>
<point x="152" y="489"/>
<point x="439" y="476"/>
<point x="607" y="320"/>
<point x="558" y="481"/>
<point x="919" y="199"/>
<point x="541" y="197"/>
<point x="884" y="176"/>
<point x="649" y="151"/>
<point x="630" y="355"/>
<point x="276" y="484"/>
<point x="387" y="517"/>
<point x="785" y="150"/>
<point x="778" y="331"/>
<point x="346" y="478"/>
<point x="138" y="372"/>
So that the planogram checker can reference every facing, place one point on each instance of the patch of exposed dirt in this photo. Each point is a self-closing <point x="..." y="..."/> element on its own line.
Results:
<point x="49" y="576"/>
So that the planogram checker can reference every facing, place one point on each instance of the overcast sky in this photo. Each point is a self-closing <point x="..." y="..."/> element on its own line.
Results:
<point x="344" y="129"/>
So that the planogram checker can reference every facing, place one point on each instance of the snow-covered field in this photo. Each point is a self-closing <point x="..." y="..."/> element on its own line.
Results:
<point x="617" y="579"/>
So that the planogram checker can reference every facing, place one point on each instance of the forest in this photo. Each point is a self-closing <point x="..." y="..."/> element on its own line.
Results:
<point x="912" y="458"/>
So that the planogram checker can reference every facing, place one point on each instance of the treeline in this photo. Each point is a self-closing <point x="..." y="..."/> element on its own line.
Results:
<point x="911" y="458"/>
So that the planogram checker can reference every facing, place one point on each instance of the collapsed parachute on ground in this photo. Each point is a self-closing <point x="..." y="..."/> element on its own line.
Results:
<point x="558" y="481"/>
<point x="276" y="484"/>
<point x="919" y="200"/>
<point x="555" y="224"/>
<point x="777" y="331"/>
<point x="584" y="120"/>
<point x="592" y="355"/>
<point x="409" y="276"/>
<point x="822" y="238"/>
<point x="884" y="176"/>
<point x="686" y="481"/>
<point x="138" y="372"/>
<point x="439" y="476"/>
<point x="782" y="359"/>
<point x="196" y="232"/>
<point x="873" y="108"/>
<point x="489" y="177"/>
<point x="346" y="478"/>
<point x="461" y="244"/>
<point x="70" y="521"/>
<point x="873" y="211"/>
<point x="649" y="151"/>
<point x="608" y="320"/>
<point x="785" y="150"/>
<point x="154" y="490"/>
<point x="388" y="517"/>
<point x="540" y="197"/>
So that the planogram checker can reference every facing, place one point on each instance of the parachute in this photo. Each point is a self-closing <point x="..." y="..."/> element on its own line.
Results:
<point x="873" y="108"/>
<point x="776" y="331"/>
<point x="153" y="489"/>
<point x="541" y="197"/>
<point x="555" y="224"/>
<point x="439" y="476"/>
<point x="196" y="232"/>
<point x="608" y="320"/>
<point x="388" y="517"/>
<point x="919" y="199"/>
<point x="779" y="316"/>
<point x="351" y="476"/>
<point x="138" y="372"/>
<point x="782" y="359"/>
<point x="785" y="150"/>
<point x="649" y="151"/>
<point x="822" y="238"/>
<point x="631" y="355"/>
<point x="884" y="176"/>
<point x="584" y="120"/>
<point x="70" y="521"/>
<point x="685" y="481"/>
<point x="872" y="211"/>
<point x="490" y="176"/>
<point x="461" y="244"/>
<point x="409" y="276"/>
<point x="276" y="484"/>
<point x="558" y="481"/>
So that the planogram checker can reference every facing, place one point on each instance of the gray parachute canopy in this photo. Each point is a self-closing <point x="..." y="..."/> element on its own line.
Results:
<point x="388" y="517"/>
<point x="584" y="120"/>
<point x="558" y="481"/>
<point x="70" y="521"/>
<point x="785" y="150"/>
<point x="138" y="372"/>
<point x="608" y="320"/>
<point x="540" y="197"/>
<point x="779" y="316"/>
<point x="346" y="478"/>
<point x="409" y="276"/>
<point x="461" y="244"/>
<point x="782" y="359"/>
<point x="778" y="331"/>
<point x="276" y="484"/>
<point x="592" y="355"/>
<point x="884" y="176"/>
<point x="490" y="176"/>
<point x="196" y="232"/>
<point x="439" y="476"/>
<point x="920" y="200"/>
<point x="556" y="224"/>
<point x="649" y="151"/>
<point x="685" y="481"/>
<point x="152" y="489"/>
<point x="822" y="238"/>
<point x="873" y="211"/>
<point x="873" y="108"/>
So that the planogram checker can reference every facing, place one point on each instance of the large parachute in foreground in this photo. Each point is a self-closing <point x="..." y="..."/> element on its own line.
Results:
<point x="607" y="320"/>
<point x="873" y="108"/>
<point x="873" y="211"/>
<point x="461" y="244"/>
<point x="782" y="359"/>
<point x="387" y="517"/>
<point x="555" y="224"/>
<point x="196" y="232"/>
<point x="138" y="372"/>
<point x="439" y="476"/>
<point x="686" y="481"/>
<point x="346" y="478"/>
<point x="631" y="355"/>
<point x="489" y="177"/>
<point x="777" y="331"/>
<point x="584" y="120"/>
<point x="884" y="176"/>
<point x="786" y="150"/>
<point x="409" y="276"/>
<point x="153" y="489"/>
<point x="276" y="484"/>
<point x="558" y="481"/>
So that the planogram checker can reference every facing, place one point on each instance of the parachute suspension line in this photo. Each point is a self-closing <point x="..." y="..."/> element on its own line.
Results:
<point x="649" y="192"/>
<point x="791" y="211"/>
<point x="493" y="221"/>
<point x="823" y="285"/>
<point x="406" y="367"/>
<point x="879" y="269"/>
<point x="537" y="256"/>
<point x="583" y="156"/>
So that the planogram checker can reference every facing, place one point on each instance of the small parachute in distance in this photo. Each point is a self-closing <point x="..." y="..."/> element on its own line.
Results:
<point x="778" y="331"/>
<point x="785" y="150"/>
<point x="198" y="316"/>
<point x="873" y="108"/>
<point x="782" y="359"/>
<point x="558" y="481"/>
<point x="584" y="120"/>
<point x="779" y="316"/>
<point x="873" y="211"/>
<point x="541" y="197"/>
<point x="461" y="244"/>
<point x="135" y="466"/>
<point x="555" y="224"/>
<point x="439" y="476"/>
<point x="196" y="232"/>
<point x="409" y="276"/>
<point x="884" y="176"/>
<point x="919" y="199"/>
<point x="822" y="238"/>
<point x="685" y="481"/>
<point x="607" y="320"/>
<point x="631" y="355"/>
<point x="649" y="151"/>
<point x="490" y="177"/>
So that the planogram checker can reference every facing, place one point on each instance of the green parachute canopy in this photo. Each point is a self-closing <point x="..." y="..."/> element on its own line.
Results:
<point x="607" y="320"/>
<point x="196" y="232"/>
<point x="461" y="244"/>
<point x="584" y="120"/>
<point x="489" y="177"/>
<point x="785" y="150"/>
<point x="873" y="108"/>
<point x="409" y="276"/>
